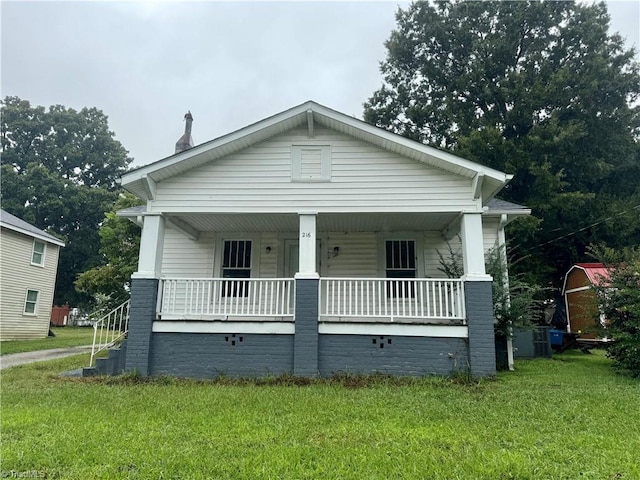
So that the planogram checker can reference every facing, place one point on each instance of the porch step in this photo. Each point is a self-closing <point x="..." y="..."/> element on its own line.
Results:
<point x="112" y="365"/>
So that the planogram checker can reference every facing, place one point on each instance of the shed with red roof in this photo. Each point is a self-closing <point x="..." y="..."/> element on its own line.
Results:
<point x="581" y="299"/>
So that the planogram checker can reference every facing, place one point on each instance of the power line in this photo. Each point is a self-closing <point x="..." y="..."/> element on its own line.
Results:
<point x="582" y="229"/>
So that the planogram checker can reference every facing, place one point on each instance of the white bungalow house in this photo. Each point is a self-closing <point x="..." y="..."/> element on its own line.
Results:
<point x="307" y="243"/>
<point x="28" y="266"/>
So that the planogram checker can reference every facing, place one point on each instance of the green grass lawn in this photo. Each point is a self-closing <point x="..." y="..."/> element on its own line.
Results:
<point x="565" y="418"/>
<point x="65" y="337"/>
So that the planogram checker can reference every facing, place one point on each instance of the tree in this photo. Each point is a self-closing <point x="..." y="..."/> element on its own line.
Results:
<point x="538" y="89"/>
<point x="619" y="300"/>
<point x="78" y="146"/>
<point x="110" y="282"/>
<point x="59" y="170"/>
<point x="516" y="303"/>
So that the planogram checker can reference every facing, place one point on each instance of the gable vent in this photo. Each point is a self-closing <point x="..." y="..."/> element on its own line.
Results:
<point x="310" y="163"/>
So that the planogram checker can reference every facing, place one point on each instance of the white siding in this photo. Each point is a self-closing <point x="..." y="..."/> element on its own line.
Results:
<point x="269" y="260"/>
<point x="434" y="244"/>
<point x="183" y="257"/>
<point x="357" y="255"/>
<point x="363" y="178"/>
<point x="490" y="232"/>
<point x="18" y="276"/>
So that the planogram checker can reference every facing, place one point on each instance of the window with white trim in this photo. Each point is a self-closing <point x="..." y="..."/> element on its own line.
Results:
<point x="400" y="259"/>
<point x="310" y="163"/>
<point x="236" y="263"/>
<point x="37" y="254"/>
<point x="31" y="302"/>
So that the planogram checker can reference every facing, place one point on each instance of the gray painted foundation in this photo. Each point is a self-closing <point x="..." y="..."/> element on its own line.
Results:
<point x="209" y="355"/>
<point x="142" y="312"/>
<point x="482" y="348"/>
<point x="394" y="355"/>
<point x="202" y="355"/>
<point x="306" y="337"/>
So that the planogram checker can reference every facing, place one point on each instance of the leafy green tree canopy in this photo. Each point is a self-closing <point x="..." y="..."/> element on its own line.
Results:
<point x="59" y="170"/>
<point x="110" y="282"/>
<point x="537" y="89"/>
<point x="78" y="146"/>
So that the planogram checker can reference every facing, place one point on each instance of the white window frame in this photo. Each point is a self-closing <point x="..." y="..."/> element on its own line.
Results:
<point x="43" y="254"/>
<point x="35" y="303"/>
<point x="256" y="252"/>
<point x="325" y="168"/>
<point x="419" y="253"/>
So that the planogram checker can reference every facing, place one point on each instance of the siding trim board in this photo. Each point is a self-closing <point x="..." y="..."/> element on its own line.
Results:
<point x="403" y="330"/>
<point x="190" y="326"/>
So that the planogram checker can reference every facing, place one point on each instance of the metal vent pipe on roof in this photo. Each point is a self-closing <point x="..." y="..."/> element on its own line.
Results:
<point x="185" y="142"/>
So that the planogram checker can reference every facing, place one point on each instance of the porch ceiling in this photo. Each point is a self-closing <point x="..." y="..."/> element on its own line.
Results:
<point x="334" y="222"/>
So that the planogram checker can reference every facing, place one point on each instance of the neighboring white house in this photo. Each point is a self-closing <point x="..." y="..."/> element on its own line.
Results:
<point x="28" y="264"/>
<point x="307" y="243"/>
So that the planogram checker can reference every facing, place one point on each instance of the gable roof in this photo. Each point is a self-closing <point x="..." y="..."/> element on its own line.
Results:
<point x="597" y="273"/>
<point x="141" y="181"/>
<point x="16" y="224"/>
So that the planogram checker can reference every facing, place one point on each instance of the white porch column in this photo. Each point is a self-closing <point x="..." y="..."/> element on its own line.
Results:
<point x="473" y="247"/>
<point x="502" y="245"/>
<point x="151" y="247"/>
<point x="307" y="253"/>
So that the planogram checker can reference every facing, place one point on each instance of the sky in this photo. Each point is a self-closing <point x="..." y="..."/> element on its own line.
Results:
<point x="145" y="63"/>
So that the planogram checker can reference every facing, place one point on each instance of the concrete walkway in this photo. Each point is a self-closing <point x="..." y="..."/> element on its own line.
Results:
<point x="14" y="359"/>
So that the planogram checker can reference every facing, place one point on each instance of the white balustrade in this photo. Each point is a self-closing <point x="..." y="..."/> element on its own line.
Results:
<point x="187" y="298"/>
<point x="392" y="299"/>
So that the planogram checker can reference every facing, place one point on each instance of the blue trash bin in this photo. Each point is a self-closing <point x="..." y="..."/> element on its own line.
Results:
<point x="556" y="337"/>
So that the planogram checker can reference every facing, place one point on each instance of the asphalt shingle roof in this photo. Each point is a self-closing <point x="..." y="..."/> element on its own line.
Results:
<point x="14" y="223"/>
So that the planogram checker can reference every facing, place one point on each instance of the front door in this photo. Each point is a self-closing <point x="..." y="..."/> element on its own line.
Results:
<point x="292" y="257"/>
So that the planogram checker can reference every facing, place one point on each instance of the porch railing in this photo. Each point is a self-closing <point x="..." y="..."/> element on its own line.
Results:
<point x="109" y="329"/>
<point x="392" y="299"/>
<point x="191" y="298"/>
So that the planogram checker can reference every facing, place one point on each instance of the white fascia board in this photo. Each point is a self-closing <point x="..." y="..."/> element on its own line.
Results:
<point x="261" y="130"/>
<point x="245" y="132"/>
<point x="492" y="187"/>
<point x="32" y="234"/>
<point x="511" y="213"/>
<point x="472" y="167"/>
<point x="292" y="209"/>
<point x="507" y="216"/>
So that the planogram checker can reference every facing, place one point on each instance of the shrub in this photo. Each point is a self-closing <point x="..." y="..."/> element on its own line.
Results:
<point x="619" y="300"/>
<point x="516" y="303"/>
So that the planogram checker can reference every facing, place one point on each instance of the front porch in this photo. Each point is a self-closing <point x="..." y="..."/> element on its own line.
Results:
<point x="417" y="301"/>
<point x="317" y="301"/>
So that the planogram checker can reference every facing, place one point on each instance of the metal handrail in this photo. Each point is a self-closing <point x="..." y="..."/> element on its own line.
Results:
<point x="110" y="329"/>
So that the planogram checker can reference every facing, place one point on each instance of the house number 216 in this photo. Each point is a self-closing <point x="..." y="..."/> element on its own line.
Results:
<point x="306" y="234"/>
